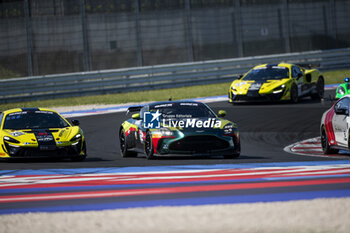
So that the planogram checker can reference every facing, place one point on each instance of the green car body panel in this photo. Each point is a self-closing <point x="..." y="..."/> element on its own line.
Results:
<point x="343" y="89"/>
<point x="176" y="141"/>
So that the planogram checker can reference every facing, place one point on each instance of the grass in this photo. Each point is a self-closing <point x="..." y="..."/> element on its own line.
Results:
<point x="331" y="77"/>
<point x="155" y="95"/>
<point x="6" y="73"/>
<point x="337" y="76"/>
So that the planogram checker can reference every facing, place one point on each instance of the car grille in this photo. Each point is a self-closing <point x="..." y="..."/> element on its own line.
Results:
<point x="255" y="96"/>
<point x="199" y="144"/>
<point x="44" y="151"/>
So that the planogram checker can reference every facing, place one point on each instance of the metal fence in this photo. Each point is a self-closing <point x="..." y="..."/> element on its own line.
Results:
<point x="39" y="37"/>
<point x="155" y="77"/>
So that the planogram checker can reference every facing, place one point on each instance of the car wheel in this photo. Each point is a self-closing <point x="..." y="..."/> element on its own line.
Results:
<point x="149" y="146"/>
<point x="326" y="148"/>
<point x="123" y="146"/>
<point x="294" y="94"/>
<point x="320" y="89"/>
<point x="79" y="158"/>
<point x="236" y="151"/>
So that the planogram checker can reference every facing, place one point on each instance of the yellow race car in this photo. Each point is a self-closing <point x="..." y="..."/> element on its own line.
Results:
<point x="38" y="132"/>
<point x="274" y="82"/>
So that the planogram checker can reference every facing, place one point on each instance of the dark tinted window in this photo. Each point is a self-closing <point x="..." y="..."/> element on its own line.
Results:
<point x="296" y="71"/>
<point x="34" y="120"/>
<point x="342" y="104"/>
<point x="267" y="73"/>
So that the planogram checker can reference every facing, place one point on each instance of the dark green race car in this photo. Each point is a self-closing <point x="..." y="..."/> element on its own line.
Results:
<point x="343" y="89"/>
<point x="177" y="128"/>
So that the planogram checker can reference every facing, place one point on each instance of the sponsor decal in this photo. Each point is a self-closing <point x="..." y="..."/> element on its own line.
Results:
<point x="142" y="136"/>
<point x="192" y="123"/>
<point x="45" y="112"/>
<point x="151" y="120"/>
<point x="29" y="143"/>
<point x="255" y="86"/>
<point x="154" y="121"/>
<point x="17" y="113"/>
<point x="45" y="139"/>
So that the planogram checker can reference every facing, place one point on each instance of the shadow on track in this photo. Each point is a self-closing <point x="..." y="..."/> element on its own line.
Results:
<point x="50" y="160"/>
<point x="189" y="157"/>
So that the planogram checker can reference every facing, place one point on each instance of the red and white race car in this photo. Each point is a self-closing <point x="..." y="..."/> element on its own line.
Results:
<point x="335" y="127"/>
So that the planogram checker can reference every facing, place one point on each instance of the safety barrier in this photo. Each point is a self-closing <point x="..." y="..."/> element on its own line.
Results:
<point x="156" y="77"/>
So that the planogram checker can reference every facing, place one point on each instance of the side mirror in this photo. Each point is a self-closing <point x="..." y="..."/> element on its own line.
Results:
<point x="341" y="111"/>
<point x="136" y="116"/>
<point x="240" y="76"/>
<point x="222" y="113"/>
<point x="75" y="122"/>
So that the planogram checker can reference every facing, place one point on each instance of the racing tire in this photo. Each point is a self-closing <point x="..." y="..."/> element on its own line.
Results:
<point x="124" y="152"/>
<point x="326" y="148"/>
<point x="149" y="151"/>
<point x="294" y="94"/>
<point x="320" y="90"/>
<point x="80" y="158"/>
<point x="236" y="152"/>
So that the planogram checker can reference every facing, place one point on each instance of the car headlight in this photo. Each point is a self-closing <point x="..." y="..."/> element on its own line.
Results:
<point x="17" y="134"/>
<point x="163" y="132"/>
<point x="228" y="129"/>
<point x="341" y="90"/>
<point x="8" y="139"/>
<point x="279" y="89"/>
<point x="76" y="137"/>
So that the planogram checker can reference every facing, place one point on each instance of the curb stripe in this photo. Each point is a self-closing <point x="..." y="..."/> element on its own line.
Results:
<point x="168" y="190"/>
<point x="237" y="199"/>
<point x="176" y="168"/>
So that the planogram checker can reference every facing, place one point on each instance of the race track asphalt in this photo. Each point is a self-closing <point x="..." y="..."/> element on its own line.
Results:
<point x="265" y="130"/>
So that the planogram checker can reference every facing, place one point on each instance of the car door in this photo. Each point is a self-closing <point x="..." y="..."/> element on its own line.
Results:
<point x="340" y="121"/>
<point x="141" y="132"/>
<point x="298" y="75"/>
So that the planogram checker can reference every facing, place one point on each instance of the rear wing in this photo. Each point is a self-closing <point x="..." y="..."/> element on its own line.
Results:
<point x="308" y="65"/>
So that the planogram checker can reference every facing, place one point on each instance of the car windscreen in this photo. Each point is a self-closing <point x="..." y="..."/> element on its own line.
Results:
<point x="183" y="110"/>
<point x="267" y="73"/>
<point x="34" y="120"/>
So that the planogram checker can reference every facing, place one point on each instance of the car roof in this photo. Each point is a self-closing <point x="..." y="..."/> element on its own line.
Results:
<point x="281" y="64"/>
<point x="27" y="109"/>
<point x="174" y="102"/>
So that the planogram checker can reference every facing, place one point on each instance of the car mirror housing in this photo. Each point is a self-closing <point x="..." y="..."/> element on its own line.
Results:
<point x="136" y="116"/>
<point x="75" y="122"/>
<point x="222" y="113"/>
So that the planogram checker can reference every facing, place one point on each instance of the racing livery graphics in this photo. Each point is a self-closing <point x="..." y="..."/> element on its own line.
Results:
<point x="37" y="132"/>
<point x="343" y="89"/>
<point x="335" y="127"/>
<point x="178" y="128"/>
<point x="274" y="82"/>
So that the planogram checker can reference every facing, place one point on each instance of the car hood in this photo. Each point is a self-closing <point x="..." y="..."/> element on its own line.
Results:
<point x="242" y="87"/>
<point x="31" y="135"/>
<point x="190" y="124"/>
